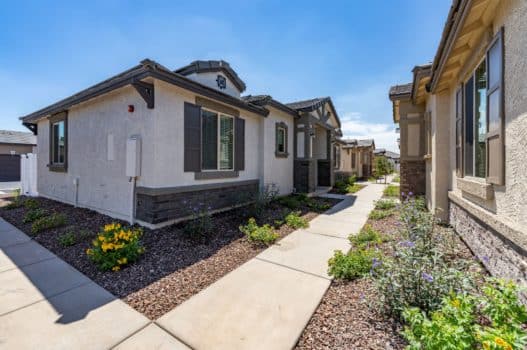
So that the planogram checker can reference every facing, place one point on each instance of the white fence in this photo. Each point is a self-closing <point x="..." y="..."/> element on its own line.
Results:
<point x="28" y="174"/>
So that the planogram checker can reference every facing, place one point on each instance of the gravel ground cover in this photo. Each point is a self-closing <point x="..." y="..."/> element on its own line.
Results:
<point x="174" y="266"/>
<point x="347" y="318"/>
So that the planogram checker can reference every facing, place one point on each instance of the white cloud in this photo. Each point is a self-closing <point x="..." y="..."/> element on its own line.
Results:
<point x="368" y="114"/>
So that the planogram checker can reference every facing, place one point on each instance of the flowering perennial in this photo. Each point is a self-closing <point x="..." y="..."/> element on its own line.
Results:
<point x="115" y="247"/>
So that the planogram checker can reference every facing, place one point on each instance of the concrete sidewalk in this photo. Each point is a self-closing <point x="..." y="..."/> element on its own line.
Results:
<point x="267" y="302"/>
<point x="47" y="304"/>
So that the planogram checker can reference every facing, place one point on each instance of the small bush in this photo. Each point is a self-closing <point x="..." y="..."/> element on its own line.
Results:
<point x="379" y="214"/>
<point x="31" y="203"/>
<point x="67" y="239"/>
<point x="494" y="320"/>
<point x="47" y="222"/>
<point x="115" y="247"/>
<point x="391" y="191"/>
<point x="354" y="188"/>
<point x="200" y="226"/>
<point x="355" y="264"/>
<point x="396" y="178"/>
<point x="351" y="180"/>
<point x="17" y="202"/>
<point x="33" y="215"/>
<point x="259" y="234"/>
<point x="385" y="204"/>
<point x="318" y="206"/>
<point x="367" y="235"/>
<point x="344" y="187"/>
<point x="294" y="220"/>
<point x="292" y="202"/>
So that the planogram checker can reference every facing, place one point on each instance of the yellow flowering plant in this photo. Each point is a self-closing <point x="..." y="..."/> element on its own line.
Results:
<point x="115" y="247"/>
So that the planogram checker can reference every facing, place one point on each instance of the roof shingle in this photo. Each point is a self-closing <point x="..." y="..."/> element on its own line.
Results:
<point x="17" y="137"/>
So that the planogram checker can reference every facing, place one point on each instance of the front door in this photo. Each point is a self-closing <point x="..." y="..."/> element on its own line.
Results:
<point x="324" y="172"/>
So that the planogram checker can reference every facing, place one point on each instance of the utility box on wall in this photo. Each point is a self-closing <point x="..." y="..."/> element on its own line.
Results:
<point x="133" y="156"/>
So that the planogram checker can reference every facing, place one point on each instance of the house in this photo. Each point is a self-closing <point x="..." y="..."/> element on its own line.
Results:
<point x="392" y="157"/>
<point x="150" y="144"/>
<point x="12" y="145"/>
<point x="463" y="123"/>
<point x="357" y="158"/>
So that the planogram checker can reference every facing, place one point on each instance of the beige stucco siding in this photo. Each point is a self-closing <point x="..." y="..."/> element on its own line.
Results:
<point x="277" y="170"/>
<point x="18" y="149"/>
<point x="102" y="182"/>
<point x="169" y="137"/>
<point x="509" y="203"/>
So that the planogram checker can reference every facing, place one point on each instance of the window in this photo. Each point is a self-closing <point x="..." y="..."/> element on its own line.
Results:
<point x="336" y="156"/>
<point x="217" y="141"/>
<point x="475" y="122"/>
<point x="58" y="142"/>
<point x="281" y="140"/>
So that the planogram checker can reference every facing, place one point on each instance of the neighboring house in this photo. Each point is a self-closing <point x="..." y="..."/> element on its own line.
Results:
<point x="151" y="144"/>
<point x="392" y="157"/>
<point x="12" y="145"/>
<point x="463" y="124"/>
<point x="357" y="158"/>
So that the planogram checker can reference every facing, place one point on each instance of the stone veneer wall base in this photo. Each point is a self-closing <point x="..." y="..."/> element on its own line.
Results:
<point x="413" y="177"/>
<point x="501" y="257"/>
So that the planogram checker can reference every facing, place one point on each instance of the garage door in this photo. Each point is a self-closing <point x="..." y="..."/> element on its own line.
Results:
<point x="9" y="167"/>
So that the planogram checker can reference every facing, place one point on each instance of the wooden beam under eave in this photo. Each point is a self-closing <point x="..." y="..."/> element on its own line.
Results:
<point x="469" y="28"/>
<point x="459" y="50"/>
<point x="476" y="3"/>
<point x="452" y="67"/>
<point x="442" y="87"/>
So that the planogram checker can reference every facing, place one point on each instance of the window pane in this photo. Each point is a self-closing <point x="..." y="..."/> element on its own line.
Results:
<point x="209" y="140"/>
<point x="481" y="119"/>
<point x="494" y="65"/>
<point x="58" y="150"/>
<point x="226" y="142"/>
<point x="281" y="140"/>
<point x="494" y="111"/>
<point x="469" y="127"/>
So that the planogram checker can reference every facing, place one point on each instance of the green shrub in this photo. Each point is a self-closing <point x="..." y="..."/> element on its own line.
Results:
<point x="379" y="214"/>
<point x="115" y="247"/>
<point x="318" y="206"/>
<point x="47" y="222"/>
<point x="418" y="275"/>
<point x="294" y="220"/>
<point x="367" y="236"/>
<point x="385" y="204"/>
<point x="17" y="202"/>
<point x="200" y="226"/>
<point x="357" y="263"/>
<point x="292" y="202"/>
<point x="396" y="178"/>
<point x="354" y="188"/>
<point x="391" y="191"/>
<point x="344" y="187"/>
<point x="31" y="203"/>
<point x="67" y="239"/>
<point x="494" y="320"/>
<point x="350" y="180"/>
<point x="33" y="215"/>
<point x="259" y="234"/>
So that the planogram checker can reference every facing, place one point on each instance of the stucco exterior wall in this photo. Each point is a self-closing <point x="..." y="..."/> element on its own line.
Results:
<point x="277" y="170"/>
<point x="102" y="183"/>
<point x="168" y="140"/>
<point x="18" y="149"/>
<point x="508" y="203"/>
<point x="209" y="79"/>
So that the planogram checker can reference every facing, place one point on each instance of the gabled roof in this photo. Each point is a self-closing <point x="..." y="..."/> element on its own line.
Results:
<point x="213" y="66"/>
<point x="147" y="68"/>
<point x="267" y="100"/>
<point x="313" y="104"/>
<point x="354" y="143"/>
<point x="17" y="137"/>
<point x="400" y="91"/>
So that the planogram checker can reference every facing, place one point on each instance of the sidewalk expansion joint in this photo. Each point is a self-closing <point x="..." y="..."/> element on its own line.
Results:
<point x="294" y="269"/>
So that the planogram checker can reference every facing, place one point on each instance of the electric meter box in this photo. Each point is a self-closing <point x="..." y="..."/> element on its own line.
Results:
<point x="133" y="156"/>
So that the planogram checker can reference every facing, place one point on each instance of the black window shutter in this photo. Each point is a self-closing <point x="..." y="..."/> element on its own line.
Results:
<point x="192" y="138"/>
<point x="239" y="144"/>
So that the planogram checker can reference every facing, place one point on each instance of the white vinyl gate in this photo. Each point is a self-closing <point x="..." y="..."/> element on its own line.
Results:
<point x="28" y="174"/>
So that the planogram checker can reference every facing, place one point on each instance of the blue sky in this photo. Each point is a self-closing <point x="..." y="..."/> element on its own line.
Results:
<point x="352" y="51"/>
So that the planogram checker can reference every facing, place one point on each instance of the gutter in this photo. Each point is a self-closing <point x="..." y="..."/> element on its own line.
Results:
<point x="456" y="16"/>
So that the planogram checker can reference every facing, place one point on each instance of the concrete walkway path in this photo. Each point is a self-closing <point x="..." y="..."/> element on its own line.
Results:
<point x="267" y="302"/>
<point x="47" y="304"/>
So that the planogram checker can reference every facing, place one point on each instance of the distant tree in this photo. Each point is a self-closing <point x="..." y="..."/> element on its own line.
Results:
<point x="382" y="167"/>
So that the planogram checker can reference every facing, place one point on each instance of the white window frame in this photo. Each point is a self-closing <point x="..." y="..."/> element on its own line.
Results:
<point x="282" y="129"/>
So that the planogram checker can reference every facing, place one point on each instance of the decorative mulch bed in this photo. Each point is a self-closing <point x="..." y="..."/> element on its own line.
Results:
<point x="346" y="317"/>
<point x="174" y="266"/>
